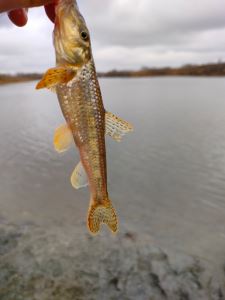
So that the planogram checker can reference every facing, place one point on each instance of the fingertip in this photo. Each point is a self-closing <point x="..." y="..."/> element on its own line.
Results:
<point x="50" y="11"/>
<point x="18" y="16"/>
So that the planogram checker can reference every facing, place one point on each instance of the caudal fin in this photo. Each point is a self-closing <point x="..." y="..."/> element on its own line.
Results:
<point x="102" y="213"/>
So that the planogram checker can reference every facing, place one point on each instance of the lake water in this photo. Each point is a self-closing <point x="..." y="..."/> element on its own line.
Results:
<point x="166" y="179"/>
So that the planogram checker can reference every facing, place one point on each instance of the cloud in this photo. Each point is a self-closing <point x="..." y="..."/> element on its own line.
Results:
<point x="150" y="22"/>
<point x="4" y="21"/>
<point x="125" y="34"/>
<point x="29" y="48"/>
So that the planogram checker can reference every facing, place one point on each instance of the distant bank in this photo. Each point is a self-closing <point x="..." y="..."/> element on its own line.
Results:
<point x="6" y="78"/>
<point x="214" y="69"/>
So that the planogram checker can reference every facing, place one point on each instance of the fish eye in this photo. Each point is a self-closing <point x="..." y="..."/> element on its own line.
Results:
<point x="84" y="35"/>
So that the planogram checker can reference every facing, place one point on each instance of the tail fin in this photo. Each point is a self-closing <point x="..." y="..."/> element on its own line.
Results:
<point x="102" y="213"/>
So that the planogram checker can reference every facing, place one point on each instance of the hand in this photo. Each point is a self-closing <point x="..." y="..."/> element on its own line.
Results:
<point x="17" y="9"/>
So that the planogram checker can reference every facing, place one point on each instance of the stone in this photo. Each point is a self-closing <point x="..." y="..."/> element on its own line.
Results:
<point x="62" y="263"/>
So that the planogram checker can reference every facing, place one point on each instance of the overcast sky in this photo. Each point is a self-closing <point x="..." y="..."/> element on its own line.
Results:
<point x="125" y="34"/>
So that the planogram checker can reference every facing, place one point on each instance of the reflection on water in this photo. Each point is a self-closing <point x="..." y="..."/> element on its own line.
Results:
<point x="167" y="179"/>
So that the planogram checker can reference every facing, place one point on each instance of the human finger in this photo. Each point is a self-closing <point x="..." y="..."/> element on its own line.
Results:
<point x="18" y="16"/>
<point x="50" y="11"/>
<point x="7" y="5"/>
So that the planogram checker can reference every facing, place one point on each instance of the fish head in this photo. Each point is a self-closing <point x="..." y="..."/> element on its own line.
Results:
<point x="71" y="35"/>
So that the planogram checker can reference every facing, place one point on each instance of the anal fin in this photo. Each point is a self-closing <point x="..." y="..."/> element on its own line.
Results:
<point x="116" y="127"/>
<point x="79" y="177"/>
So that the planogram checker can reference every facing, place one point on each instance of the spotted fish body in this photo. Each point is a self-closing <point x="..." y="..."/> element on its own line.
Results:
<point x="79" y="95"/>
<point x="82" y="107"/>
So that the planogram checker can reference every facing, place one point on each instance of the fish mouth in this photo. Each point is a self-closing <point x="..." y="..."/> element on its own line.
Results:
<point x="66" y="9"/>
<point x="68" y="26"/>
<point x="66" y="4"/>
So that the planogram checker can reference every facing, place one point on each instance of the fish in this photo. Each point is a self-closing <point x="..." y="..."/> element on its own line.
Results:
<point x="74" y="79"/>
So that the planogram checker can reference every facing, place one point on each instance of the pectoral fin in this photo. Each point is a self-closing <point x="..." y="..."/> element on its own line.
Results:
<point x="62" y="138"/>
<point x="79" y="178"/>
<point x="55" y="76"/>
<point x="116" y="127"/>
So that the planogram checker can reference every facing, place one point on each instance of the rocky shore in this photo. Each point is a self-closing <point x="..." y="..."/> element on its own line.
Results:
<point x="61" y="263"/>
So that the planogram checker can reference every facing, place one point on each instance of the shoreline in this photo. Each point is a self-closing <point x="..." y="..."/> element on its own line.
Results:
<point x="8" y="79"/>
<point x="206" y="70"/>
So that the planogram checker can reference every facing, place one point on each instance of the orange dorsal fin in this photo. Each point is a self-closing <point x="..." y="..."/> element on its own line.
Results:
<point x="55" y="76"/>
